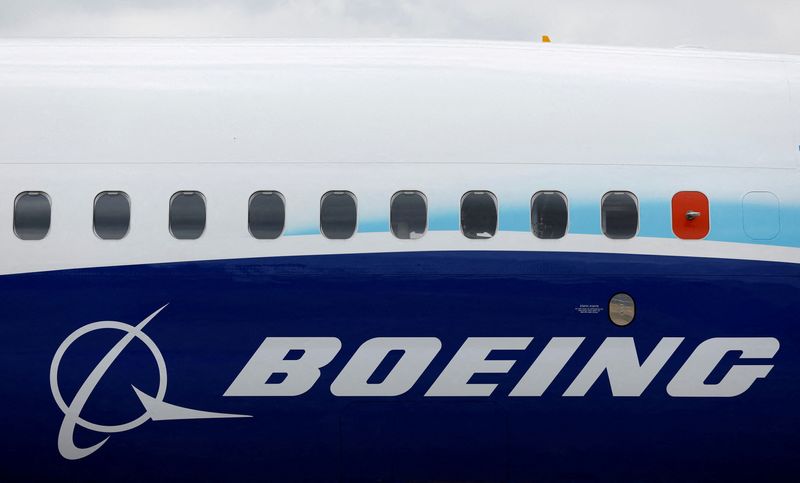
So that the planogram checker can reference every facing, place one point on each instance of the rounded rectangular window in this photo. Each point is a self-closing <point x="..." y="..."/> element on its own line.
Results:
<point x="266" y="215"/>
<point x="187" y="215"/>
<point x="337" y="215"/>
<point x="761" y="215"/>
<point x="112" y="215"/>
<point x="690" y="215"/>
<point x="620" y="214"/>
<point x="549" y="214"/>
<point x="409" y="215"/>
<point x="478" y="214"/>
<point x="32" y="215"/>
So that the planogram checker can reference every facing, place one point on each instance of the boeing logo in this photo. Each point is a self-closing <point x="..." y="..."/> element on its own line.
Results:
<point x="154" y="406"/>
<point x="628" y="373"/>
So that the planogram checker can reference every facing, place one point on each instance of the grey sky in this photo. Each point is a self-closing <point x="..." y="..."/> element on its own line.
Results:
<point x="755" y="25"/>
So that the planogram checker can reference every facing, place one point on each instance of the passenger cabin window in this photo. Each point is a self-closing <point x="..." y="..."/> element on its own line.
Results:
<point x="549" y="214"/>
<point x="690" y="215"/>
<point x="408" y="215"/>
<point x="112" y="215"/>
<point x="337" y="215"/>
<point x="620" y="214"/>
<point x="32" y="215"/>
<point x="266" y="215"/>
<point x="478" y="214"/>
<point x="187" y="215"/>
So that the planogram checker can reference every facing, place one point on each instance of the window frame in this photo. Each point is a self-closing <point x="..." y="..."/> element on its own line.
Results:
<point x="250" y="201"/>
<point x="326" y="195"/>
<point x="638" y="214"/>
<point x="566" y="204"/>
<point x="461" y="213"/>
<point x="94" y="213"/>
<point x="205" y="213"/>
<point x="427" y="217"/>
<point x="50" y="213"/>
<point x="746" y="207"/>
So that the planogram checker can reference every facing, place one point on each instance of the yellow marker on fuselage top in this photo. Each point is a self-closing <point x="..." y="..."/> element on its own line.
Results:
<point x="545" y="38"/>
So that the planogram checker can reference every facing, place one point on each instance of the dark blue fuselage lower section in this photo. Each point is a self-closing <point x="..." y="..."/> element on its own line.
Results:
<point x="220" y="312"/>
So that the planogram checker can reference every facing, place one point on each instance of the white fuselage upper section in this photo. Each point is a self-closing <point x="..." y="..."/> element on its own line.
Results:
<point x="261" y="101"/>
<point x="231" y="117"/>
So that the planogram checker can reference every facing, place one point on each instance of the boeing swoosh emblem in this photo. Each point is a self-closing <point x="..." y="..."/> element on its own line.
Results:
<point x="154" y="406"/>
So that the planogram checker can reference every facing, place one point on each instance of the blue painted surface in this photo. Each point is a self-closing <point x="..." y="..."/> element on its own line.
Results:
<point x="443" y="221"/>
<point x="220" y="311"/>
<point x="515" y="218"/>
<point x="373" y="225"/>
<point x="735" y="221"/>
<point x="655" y="218"/>
<point x="584" y="217"/>
<point x="761" y="215"/>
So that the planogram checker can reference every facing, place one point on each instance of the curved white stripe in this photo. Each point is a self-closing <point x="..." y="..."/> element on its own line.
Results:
<point x="28" y="257"/>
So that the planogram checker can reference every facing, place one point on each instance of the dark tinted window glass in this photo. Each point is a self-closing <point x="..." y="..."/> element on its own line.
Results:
<point x="32" y="215"/>
<point x="266" y="215"/>
<point x="409" y="215"/>
<point x="112" y="215"/>
<point x="337" y="215"/>
<point x="479" y="214"/>
<point x="187" y="215"/>
<point x="549" y="214"/>
<point x="620" y="213"/>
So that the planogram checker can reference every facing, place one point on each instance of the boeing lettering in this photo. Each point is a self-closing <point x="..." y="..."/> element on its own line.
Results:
<point x="616" y="356"/>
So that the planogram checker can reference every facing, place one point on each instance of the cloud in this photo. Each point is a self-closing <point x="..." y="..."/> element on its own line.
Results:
<point x="766" y="25"/>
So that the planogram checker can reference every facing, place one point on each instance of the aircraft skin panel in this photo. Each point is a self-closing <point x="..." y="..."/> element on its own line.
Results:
<point x="219" y="313"/>
<point x="373" y="358"/>
<point x="71" y="242"/>
<point x="194" y="101"/>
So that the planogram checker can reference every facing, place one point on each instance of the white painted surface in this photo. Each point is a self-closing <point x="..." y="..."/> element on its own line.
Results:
<point x="254" y="101"/>
<point x="231" y="117"/>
